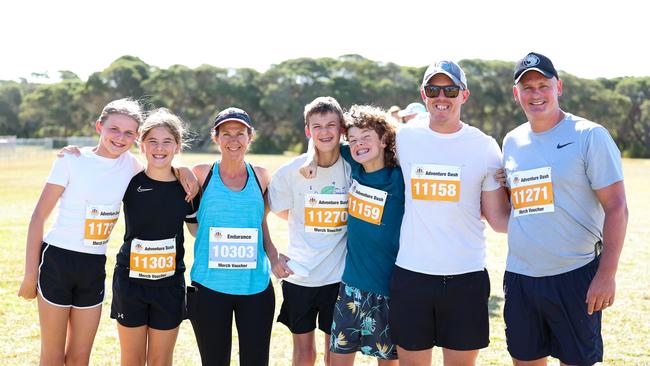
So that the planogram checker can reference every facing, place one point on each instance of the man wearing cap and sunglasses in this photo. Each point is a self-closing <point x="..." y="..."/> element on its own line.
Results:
<point x="569" y="205"/>
<point x="440" y="287"/>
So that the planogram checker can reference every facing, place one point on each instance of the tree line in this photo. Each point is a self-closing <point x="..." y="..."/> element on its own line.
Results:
<point x="275" y="98"/>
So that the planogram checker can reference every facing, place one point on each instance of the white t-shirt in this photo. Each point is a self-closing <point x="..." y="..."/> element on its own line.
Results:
<point x="90" y="203"/>
<point x="444" y="175"/>
<point x="317" y="218"/>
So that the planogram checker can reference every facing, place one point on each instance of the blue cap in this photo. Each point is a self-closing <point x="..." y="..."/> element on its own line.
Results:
<point x="449" y="68"/>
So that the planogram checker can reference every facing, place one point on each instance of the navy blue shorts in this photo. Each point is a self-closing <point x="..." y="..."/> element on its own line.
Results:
<point x="548" y="316"/>
<point x="361" y="324"/>
<point x="71" y="279"/>
<point x="444" y="311"/>
<point x="301" y="306"/>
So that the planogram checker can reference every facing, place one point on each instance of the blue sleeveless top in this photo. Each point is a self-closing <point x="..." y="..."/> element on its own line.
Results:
<point x="222" y="208"/>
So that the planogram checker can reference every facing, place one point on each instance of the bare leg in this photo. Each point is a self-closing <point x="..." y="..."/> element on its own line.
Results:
<point x="342" y="359"/>
<point x="537" y="362"/>
<point x="326" y="351"/>
<point x="304" y="349"/>
<point x="414" y="358"/>
<point x="133" y="345"/>
<point x="82" y="329"/>
<point x="387" y="362"/>
<point x="459" y="358"/>
<point x="160" y="350"/>
<point x="54" y="324"/>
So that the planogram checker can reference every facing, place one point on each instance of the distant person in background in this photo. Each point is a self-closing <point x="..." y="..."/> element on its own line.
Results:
<point x="567" y="226"/>
<point x="411" y="111"/>
<point x="394" y="112"/>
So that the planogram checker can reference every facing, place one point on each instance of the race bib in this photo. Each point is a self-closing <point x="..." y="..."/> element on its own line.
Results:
<point x="531" y="191"/>
<point x="326" y="213"/>
<point x="232" y="248"/>
<point x="152" y="259"/>
<point x="435" y="182"/>
<point x="99" y="223"/>
<point x="366" y="203"/>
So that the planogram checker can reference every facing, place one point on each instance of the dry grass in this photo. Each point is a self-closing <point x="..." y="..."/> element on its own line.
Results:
<point x="626" y="325"/>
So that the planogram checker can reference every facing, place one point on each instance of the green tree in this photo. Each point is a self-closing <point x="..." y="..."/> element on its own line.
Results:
<point x="53" y="110"/>
<point x="10" y="99"/>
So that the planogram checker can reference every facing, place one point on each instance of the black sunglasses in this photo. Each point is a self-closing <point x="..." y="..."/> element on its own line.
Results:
<point x="450" y="91"/>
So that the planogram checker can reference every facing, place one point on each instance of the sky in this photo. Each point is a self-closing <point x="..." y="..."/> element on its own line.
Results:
<point x="588" y="39"/>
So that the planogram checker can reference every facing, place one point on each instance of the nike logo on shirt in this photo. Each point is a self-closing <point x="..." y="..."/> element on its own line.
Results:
<point x="559" y="146"/>
<point x="140" y="189"/>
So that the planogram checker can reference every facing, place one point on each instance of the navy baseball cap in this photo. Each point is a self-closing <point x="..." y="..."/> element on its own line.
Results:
<point x="449" y="68"/>
<point x="535" y="62"/>
<point x="233" y="114"/>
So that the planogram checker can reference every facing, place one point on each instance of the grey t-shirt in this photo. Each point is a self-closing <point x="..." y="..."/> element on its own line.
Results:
<point x="557" y="218"/>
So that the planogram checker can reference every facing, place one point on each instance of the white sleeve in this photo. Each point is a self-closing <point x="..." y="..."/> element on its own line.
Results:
<point x="280" y="192"/>
<point x="60" y="173"/>
<point x="493" y="161"/>
<point x="137" y="166"/>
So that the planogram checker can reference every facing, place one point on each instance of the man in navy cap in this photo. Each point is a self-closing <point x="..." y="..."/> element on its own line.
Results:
<point x="566" y="228"/>
<point x="440" y="287"/>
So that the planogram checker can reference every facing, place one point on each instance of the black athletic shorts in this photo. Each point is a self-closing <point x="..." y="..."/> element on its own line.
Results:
<point x="301" y="306"/>
<point x="135" y="304"/>
<point x="444" y="311"/>
<point x="548" y="316"/>
<point x="68" y="278"/>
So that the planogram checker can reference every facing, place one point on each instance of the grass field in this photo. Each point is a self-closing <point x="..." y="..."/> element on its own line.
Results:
<point x="626" y="325"/>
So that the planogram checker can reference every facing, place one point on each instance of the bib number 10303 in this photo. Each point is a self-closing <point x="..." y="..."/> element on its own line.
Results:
<point x="435" y="182"/>
<point x="233" y="248"/>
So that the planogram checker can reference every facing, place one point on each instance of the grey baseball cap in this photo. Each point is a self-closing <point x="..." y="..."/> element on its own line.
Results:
<point x="449" y="68"/>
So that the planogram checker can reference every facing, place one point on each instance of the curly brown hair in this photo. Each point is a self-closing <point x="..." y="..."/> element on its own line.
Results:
<point x="376" y="119"/>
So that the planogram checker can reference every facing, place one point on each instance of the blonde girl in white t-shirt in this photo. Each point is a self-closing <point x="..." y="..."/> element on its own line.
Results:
<point x="65" y="268"/>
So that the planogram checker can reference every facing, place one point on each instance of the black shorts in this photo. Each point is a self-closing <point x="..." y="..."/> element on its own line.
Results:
<point x="444" y="311"/>
<point x="158" y="307"/>
<point x="71" y="279"/>
<point x="548" y="316"/>
<point x="301" y="306"/>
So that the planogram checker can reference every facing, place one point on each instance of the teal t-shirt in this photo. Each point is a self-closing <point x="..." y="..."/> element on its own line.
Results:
<point x="375" y="211"/>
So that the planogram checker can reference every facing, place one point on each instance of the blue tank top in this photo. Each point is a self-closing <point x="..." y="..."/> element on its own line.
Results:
<point x="224" y="249"/>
